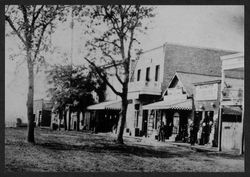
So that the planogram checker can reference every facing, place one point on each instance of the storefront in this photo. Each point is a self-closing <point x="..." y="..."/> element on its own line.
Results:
<point x="102" y="117"/>
<point x="183" y="110"/>
<point x="231" y="118"/>
<point x="207" y="100"/>
<point x="173" y="114"/>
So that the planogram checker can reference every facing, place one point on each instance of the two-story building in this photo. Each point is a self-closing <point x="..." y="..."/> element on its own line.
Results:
<point x="153" y="72"/>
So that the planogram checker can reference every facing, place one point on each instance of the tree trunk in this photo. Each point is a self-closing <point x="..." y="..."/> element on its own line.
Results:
<point x="122" y="120"/>
<point x="83" y="121"/>
<point x="30" y="98"/>
<point x="69" y="119"/>
<point x="78" y="121"/>
<point x="65" y="119"/>
<point x="60" y="119"/>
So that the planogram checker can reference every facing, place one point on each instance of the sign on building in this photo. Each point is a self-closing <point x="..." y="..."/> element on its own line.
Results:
<point x="206" y="92"/>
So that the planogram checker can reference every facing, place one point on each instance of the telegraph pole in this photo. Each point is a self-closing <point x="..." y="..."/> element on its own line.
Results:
<point x="71" y="61"/>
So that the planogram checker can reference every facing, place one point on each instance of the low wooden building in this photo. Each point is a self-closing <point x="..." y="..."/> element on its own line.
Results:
<point x="42" y="112"/>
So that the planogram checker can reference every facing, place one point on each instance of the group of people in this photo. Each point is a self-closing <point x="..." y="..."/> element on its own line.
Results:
<point x="200" y="132"/>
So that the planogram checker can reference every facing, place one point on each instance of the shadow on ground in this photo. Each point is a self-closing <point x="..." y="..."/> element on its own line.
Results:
<point x="116" y="148"/>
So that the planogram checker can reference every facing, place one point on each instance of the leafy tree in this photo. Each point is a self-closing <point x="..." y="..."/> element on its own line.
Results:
<point x="113" y="31"/>
<point x="33" y="24"/>
<point x="74" y="86"/>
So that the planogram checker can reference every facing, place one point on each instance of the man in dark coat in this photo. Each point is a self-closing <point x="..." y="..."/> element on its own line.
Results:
<point x="162" y="132"/>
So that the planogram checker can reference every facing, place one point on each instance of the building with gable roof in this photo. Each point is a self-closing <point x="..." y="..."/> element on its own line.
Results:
<point x="152" y="72"/>
<point x="192" y="101"/>
<point x="176" y="108"/>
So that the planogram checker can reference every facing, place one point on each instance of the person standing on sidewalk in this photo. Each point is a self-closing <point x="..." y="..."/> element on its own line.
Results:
<point x="159" y="132"/>
<point x="162" y="132"/>
<point x="193" y="133"/>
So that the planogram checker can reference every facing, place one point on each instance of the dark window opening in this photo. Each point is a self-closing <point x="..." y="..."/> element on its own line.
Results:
<point x="147" y="73"/>
<point x="157" y="69"/>
<point x="138" y="74"/>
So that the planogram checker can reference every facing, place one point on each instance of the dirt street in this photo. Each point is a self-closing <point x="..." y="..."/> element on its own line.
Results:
<point x="62" y="151"/>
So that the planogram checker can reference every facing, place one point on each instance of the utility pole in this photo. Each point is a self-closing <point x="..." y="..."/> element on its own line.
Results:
<point x="71" y="61"/>
<point x="72" y="37"/>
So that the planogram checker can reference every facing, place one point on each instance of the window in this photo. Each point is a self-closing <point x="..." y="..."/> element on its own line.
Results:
<point x="147" y="73"/>
<point x="157" y="69"/>
<point x="138" y="74"/>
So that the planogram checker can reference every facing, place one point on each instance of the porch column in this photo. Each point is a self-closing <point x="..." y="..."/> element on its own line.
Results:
<point x="242" y="120"/>
<point x="220" y="109"/>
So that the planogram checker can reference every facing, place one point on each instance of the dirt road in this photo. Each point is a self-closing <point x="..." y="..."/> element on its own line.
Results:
<point x="84" y="152"/>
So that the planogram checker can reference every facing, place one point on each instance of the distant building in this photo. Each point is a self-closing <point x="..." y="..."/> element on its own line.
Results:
<point x="42" y="111"/>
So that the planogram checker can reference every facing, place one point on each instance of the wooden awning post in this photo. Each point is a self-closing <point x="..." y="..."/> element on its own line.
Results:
<point x="220" y="109"/>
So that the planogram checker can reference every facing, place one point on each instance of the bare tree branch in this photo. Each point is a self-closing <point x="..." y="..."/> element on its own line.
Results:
<point x="103" y="77"/>
<point x="44" y="26"/>
<point x="25" y="17"/>
<point x="131" y="38"/>
<point x="112" y="61"/>
<point x="15" y="30"/>
<point x="39" y="41"/>
<point x="115" y="65"/>
<point x="35" y="16"/>
<point x="114" y="23"/>
<point x="109" y="42"/>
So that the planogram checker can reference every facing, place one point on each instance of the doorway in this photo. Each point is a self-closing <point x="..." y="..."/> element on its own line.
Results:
<point x="144" y="123"/>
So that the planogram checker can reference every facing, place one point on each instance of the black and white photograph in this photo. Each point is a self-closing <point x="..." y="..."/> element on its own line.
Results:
<point x="124" y="88"/>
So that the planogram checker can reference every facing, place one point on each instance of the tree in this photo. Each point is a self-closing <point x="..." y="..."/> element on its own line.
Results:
<point x="33" y="24"/>
<point x="74" y="86"/>
<point x="113" y="30"/>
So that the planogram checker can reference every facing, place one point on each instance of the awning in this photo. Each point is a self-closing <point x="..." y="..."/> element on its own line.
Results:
<point x="111" y="105"/>
<point x="232" y="110"/>
<point x="174" y="104"/>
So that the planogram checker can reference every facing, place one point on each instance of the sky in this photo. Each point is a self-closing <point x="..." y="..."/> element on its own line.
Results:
<point x="219" y="27"/>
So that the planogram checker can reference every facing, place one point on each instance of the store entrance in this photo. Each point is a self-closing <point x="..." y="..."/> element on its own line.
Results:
<point x="144" y="123"/>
